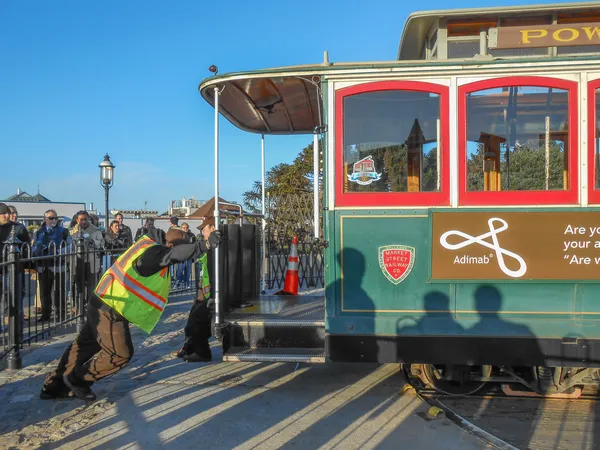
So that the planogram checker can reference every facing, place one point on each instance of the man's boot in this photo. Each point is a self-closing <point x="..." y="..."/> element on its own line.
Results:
<point x="81" y="392"/>
<point x="195" y="357"/>
<point x="53" y="389"/>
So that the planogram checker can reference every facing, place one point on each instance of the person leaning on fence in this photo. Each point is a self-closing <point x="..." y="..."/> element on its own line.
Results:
<point x="197" y="329"/>
<point x="135" y="289"/>
<point x="51" y="239"/>
<point x="87" y="267"/>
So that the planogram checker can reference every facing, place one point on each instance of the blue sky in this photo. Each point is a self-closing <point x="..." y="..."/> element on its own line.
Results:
<point x="79" y="79"/>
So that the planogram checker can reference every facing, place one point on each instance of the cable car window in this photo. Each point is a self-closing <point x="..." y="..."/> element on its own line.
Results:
<point x="596" y="139"/>
<point x="569" y="50"/>
<point x="517" y="139"/>
<point x="391" y="142"/>
<point x="462" y="49"/>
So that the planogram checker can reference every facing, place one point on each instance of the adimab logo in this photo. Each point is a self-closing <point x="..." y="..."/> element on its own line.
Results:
<point x="396" y="261"/>
<point x="483" y="240"/>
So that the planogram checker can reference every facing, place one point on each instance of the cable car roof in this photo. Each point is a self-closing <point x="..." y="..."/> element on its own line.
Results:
<point x="418" y="25"/>
<point x="287" y="100"/>
<point x="272" y="102"/>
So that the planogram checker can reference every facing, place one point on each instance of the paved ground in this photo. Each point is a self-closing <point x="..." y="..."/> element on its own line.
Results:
<point x="535" y="423"/>
<point x="160" y="401"/>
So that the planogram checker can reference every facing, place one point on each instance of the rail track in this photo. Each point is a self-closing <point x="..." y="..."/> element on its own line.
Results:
<point x="515" y="421"/>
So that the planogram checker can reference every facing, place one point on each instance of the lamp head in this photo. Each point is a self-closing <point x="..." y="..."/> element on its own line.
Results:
<point x="106" y="171"/>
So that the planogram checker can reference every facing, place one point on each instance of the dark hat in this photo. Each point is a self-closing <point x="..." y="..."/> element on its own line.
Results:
<point x="4" y="209"/>
<point x="208" y="221"/>
<point x="174" y="220"/>
<point x="175" y="236"/>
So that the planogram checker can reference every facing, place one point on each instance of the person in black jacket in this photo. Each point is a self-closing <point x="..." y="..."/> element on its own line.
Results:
<point x="124" y="228"/>
<point x="21" y="233"/>
<point x="148" y="229"/>
<point x="197" y="329"/>
<point x="51" y="239"/>
<point x="6" y="227"/>
<point x="116" y="239"/>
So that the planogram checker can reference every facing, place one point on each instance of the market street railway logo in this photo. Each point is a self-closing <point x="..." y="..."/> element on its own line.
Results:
<point x="396" y="261"/>
<point x="363" y="172"/>
<point x="494" y="245"/>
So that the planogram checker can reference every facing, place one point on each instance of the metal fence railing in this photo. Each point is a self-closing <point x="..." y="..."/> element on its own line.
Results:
<point x="44" y="292"/>
<point x="288" y="216"/>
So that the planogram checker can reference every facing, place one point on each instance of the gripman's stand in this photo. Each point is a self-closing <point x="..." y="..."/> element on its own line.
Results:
<point x="255" y="327"/>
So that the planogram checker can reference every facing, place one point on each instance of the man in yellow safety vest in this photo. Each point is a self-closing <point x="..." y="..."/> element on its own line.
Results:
<point x="134" y="289"/>
<point x="197" y="329"/>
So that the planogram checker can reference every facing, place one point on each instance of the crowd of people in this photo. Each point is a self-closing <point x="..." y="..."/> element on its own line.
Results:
<point x="131" y="285"/>
<point x="102" y="247"/>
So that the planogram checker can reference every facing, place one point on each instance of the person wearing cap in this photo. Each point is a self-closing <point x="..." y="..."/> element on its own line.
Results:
<point x="148" y="229"/>
<point x="197" y="329"/>
<point x="134" y="289"/>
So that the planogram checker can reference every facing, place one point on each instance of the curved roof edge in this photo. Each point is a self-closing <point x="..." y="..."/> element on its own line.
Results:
<point x="418" y="23"/>
<point x="284" y="100"/>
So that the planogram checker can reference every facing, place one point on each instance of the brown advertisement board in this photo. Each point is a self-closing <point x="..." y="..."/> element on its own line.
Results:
<point x="545" y="36"/>
<point x="515" y="246"/>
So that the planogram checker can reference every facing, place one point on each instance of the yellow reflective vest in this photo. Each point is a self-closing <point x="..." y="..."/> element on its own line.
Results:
<point x="141" y="300"/>
<point x="205" y="277"/>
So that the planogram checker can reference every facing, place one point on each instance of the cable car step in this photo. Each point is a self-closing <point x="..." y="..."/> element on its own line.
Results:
<point x="277" y="333"/>
<point x="279" y="322"/>
<point x="273" y="354"/>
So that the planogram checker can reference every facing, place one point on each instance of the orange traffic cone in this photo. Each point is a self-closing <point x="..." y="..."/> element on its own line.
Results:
<point x="290" y="287"/>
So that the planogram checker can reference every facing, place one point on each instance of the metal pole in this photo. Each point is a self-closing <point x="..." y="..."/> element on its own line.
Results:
<point x="438" y="151"/>
<point x="216" y="210"/>
<point x="316" y="183"/>
<point x="106" y="188"/>
<point x="80" y="264"/>
<point x="547" y="139"/>
<point x="269" y="240"/>
<point x="264" y="222"/>
<point x="15" y="313"/>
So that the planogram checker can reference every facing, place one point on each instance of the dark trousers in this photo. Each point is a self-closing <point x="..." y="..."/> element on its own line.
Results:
<point x="85" y="280"/>
<point x="197" y="330"/>
<point x="52" y="288"/>
<point x="102" y="348"/>
<point x="184" y="272"/>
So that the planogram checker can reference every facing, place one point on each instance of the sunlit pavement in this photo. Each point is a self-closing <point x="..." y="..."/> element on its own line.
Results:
<point x="160" y="401"/>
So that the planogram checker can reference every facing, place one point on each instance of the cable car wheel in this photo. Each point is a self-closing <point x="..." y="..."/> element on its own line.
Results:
<point x="455" y="380"/>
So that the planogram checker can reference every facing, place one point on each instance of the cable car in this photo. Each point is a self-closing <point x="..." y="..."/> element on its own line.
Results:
<point x="461" y="194"/>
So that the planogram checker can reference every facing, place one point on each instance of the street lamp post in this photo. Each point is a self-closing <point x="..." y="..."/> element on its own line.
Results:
<point x="106" y="179"/>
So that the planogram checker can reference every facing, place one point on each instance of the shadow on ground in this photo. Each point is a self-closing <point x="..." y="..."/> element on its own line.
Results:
<point x="160" y="401"/>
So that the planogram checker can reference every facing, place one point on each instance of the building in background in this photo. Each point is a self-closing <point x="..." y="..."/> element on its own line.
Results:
<point x="31" y="208"/>
<point x="184" y="207"/>
<point x="134" y="213"/>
